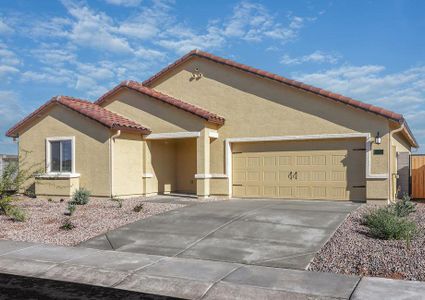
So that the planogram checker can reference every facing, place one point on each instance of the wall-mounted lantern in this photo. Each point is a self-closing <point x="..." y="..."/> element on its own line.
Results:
<point x="378" y="139"/>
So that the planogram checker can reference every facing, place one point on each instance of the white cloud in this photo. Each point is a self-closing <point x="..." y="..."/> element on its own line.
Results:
<point x="10" y="108"/>
<point x="253" y="22"/>
<point x="127" y="3"/>
<point x="94" y="29"/>
<point x="315" y="57"/>
<point x="46" y="54"/>
<point x="56" y="27"/>
<point x="149" y="54"/>
<point x="9" y="61"/>
<point x="49" y="75"/>
<point x="4" y="28"/>
<point x="147" y="23"/>
<point x="6" y="70"/>
<point x="182" y="40"/>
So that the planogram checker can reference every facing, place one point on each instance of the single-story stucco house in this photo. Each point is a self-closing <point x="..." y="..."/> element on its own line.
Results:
<point x="209" y="126"/>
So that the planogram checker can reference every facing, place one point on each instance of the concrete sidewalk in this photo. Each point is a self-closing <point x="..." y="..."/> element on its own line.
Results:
<point x="191" y="278"/>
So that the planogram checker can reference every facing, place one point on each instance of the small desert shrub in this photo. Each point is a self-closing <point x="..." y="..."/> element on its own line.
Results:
<point x="67" y="224"/>
<point x="50" y="200"/>
<point x="5" y="204"/>
<point x="385" y="224"/>
<point x="71" y="208"/>
<point x="11" y="210"/>
<point x="16" y="214"/>
<point x="138" y="208"/>
<point x="403" y="207"/>
<point x="81" y="196"/>
<point x="118" y="200"/>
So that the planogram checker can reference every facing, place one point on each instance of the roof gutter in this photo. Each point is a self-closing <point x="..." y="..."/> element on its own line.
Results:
<point x="391" y="193"/>
<point x="111" y="161"/>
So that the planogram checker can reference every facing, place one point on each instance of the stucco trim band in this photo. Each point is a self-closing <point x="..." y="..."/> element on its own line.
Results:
<point x="208" y="176"/>
<point x="173" y="135"/>
<point x="366" y="136"/>
<point x="58" y="175"/>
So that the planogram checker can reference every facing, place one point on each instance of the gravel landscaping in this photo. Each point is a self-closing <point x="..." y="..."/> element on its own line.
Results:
<point x="98" y="216"/>
<point x="352" y="251"/>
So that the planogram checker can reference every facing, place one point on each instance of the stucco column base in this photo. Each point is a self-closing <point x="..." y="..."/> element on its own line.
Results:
<point x="203" y="187"/>
<point x="203" y="163"/>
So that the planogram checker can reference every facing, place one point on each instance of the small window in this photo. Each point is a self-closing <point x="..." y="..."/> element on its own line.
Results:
<point x="60" y="155"/>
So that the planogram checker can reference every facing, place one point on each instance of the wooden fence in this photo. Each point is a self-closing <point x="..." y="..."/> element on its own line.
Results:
<point x="418" y="176"/>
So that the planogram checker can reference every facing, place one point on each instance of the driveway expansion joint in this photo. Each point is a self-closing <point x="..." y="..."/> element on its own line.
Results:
<point x="221" y="227"/>
<point x="217" y="281"/>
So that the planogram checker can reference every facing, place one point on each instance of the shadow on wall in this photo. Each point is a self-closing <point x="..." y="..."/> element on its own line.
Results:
<point x="355" y="178"/>
<point x="174" y="165"/>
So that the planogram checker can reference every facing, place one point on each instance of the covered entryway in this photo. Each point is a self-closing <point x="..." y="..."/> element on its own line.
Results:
<point x="173" y="164"/>
<point x="325" y="169"/>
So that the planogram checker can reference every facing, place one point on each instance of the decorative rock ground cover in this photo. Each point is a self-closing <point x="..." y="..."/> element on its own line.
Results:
<point x="352" y="251"/>
<point x="45" y="217"/>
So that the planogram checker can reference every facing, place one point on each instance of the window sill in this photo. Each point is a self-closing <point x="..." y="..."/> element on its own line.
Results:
<point x="58" y="175"/>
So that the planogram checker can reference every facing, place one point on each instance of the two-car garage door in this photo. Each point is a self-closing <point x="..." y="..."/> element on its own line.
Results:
<point x="328" y="169"/>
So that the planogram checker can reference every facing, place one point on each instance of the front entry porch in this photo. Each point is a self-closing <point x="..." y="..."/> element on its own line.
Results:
<point x="178" y="163"/>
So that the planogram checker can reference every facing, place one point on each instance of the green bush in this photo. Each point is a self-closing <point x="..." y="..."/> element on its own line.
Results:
<point x="383" y="223"/>
<point x="81" y="196"/>
<point x="67" y="224"/>
<point x="11" y="210"/>
<point x="16" y="214"/>
<point x="5" y="204"/>
<point x="138" y="208"/>
<point x="403" y="207"/>
<point x="71" y="209"/>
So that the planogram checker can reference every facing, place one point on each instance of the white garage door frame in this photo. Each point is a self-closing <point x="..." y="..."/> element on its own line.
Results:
<point x="366" y="136"/>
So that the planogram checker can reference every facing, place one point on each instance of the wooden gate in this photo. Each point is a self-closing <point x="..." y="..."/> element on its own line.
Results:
<point x="418" y="176"/>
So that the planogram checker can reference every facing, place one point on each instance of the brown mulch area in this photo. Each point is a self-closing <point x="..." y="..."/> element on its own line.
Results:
<point x="352" y="251"/>
<point x="97" y="217"/>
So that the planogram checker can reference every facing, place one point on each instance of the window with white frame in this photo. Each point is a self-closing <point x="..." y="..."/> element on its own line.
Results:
<point x="60" y="155"/>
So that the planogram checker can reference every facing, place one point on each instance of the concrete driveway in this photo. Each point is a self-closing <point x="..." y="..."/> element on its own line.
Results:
<point x="274" y="233"/>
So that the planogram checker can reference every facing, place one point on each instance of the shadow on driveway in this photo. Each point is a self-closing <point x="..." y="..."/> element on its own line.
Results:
<point x="21" y="287"/>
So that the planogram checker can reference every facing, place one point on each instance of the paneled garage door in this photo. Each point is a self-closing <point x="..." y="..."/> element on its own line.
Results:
<point x="332" y="169"/>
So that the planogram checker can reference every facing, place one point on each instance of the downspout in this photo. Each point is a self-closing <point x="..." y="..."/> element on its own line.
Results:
<point x="389" y="164"/>
<point x="111" y="160"/>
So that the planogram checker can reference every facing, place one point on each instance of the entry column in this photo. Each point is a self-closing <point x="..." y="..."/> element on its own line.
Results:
<point x="203" y="164"/>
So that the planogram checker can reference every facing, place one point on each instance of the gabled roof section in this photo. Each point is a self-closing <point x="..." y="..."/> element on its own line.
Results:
<point x="87" y="109"/>
<point x="139" y="87"/>
<point x="293" y="83"/>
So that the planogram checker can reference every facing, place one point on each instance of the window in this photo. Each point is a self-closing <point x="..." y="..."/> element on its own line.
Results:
<point x="59" y="156"/>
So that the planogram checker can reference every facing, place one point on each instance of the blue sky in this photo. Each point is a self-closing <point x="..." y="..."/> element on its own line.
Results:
<point x="373" y="51"/>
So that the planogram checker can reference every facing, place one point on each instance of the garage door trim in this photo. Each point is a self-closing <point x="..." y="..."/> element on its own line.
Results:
<point x="366" y="136"/>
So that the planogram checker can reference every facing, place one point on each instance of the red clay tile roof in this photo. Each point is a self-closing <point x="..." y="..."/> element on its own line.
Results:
<point x="137" y="86"/>
<point x="86" y="108"/>
<point x="293" y="83"/>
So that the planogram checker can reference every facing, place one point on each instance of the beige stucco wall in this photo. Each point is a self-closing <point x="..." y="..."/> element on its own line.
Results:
<point x="186" y="166"/>
<point x="160" y="117"/>
<point x="256" y="107"/>
<point x="56" y="186"/>
<point x="127" y="165"/>
<point x="91" y="146"/>
<point x="163" y="160"/>
<point x="172" y="164"/>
